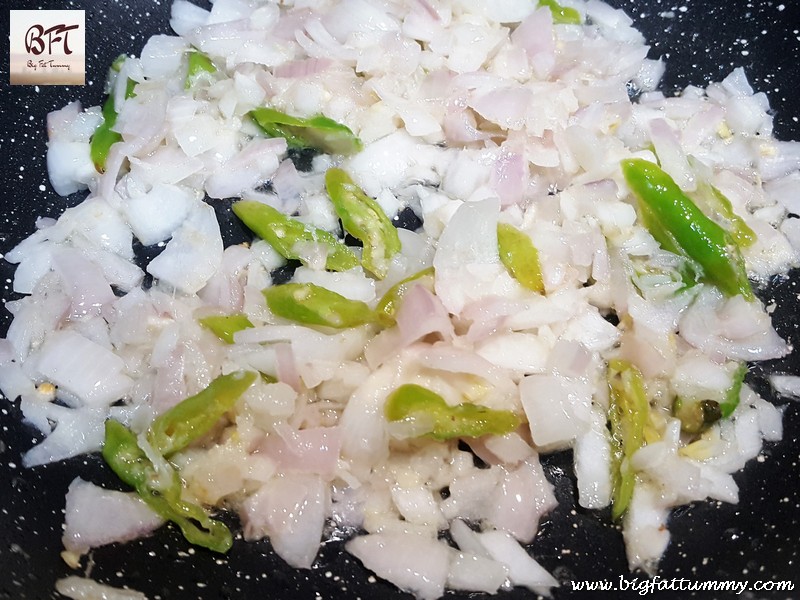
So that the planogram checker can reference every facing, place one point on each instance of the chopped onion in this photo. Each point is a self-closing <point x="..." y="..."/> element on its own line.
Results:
<point x="96" y="517"/>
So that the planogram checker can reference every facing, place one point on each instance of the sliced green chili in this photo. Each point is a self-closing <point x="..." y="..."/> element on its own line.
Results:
<point x="122" y="453"/>
<point x="364" y="219"/>
<point x="731" y="399"/>
<point x="319" y="132"/>
<point x="413" y="403"/>
<point x="116" y="65"/>
<point x="315" y="305"/>
<point x="104" y="137"/>
<point x="389" y="304"/>
<point x="199" y="65"/>
<point x="284" y="234"/>
<point x="628" y="414"/>
<point x="742" y="234"/>
<point x="225" y="326"/>
<point x="520" y="256"/>
<point x="195" y="416"/>
<point x="562" y="15"/>
<point x="697" y="414"/>
<point x="680" y="226"/>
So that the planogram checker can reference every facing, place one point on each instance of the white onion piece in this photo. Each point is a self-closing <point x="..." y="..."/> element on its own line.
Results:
<point x="467" y="539"/>
<point x="469" y="241"/>
<point x="782" y="160"/>
<point x="14" y="383"/>
<point x="289" y="186"/>
<point x="286" y="367"/>
<point x="193" y="254"/>
<point x="413" y="563"/>
<point x="697" y="376"/>
<point x="196" y="132"/>
<point x="505" y="11"/>
<point x="521" y="499"/>
<point x="453" y="359"/>
<point x="302" y="68"/>
<point x="774" y="251"/>
<point x="69" y="163"/>
<point x="718" y="485"/>
<point x="522" y="568"/>
<point x="565" y="401"/>
<point x="417" y="505"/>
<point x="535" y="35"/>
<point x="523" y="352"/>
<point x="118" y="271"/>
<point x="254" y="164"/>
<point x="312" y="450"/>
<point x="307" y="344"/>
<point x="460" y="127"/>
<point x="354" y="284"/>
<point x="732" y="328"/>
<point x="421" y="313"/>
<point x="786" y="385"/>
<point x="510" y="175"/>
<point x="225" y="288"/>
<point x="319" y="43"/>
<point x="671" y="156"/>
<point x="34" y="318"/>
<point x="740" y="439"/>
<point x="387" y="162"/>
<point x="509" y="449"/>
<point x="229" y="10"/>
<point x="84" y="282"/>
<point x="95" y="222"/>
<point x="782" y="190"/>
<point x="156" y="215"/>
<point x="278" y="400"/>
<point x="79" y="588"/>
<point x="505" y="106"/>
<point x="291" y="511"/>
<point x="34" y="262"/>
<point x="69" y="166"/>
<point x="92" y="373"/>
<point x="593" y="463"/>
<point x="60" y="122"/>
<point x="466" y="46"/>
<point x="185" y="16"/>
<point x="646" y="534"/>
<point x="364" y="435"/>
<point x="77" y="431"/>
<point x="141" y="120"/>
<point x="167" y="164"/>
<point x="6" y="352"/>
<point x="96" y="517"/>
<point x="570" y="358"/>
<point x="477" y="573"/>
<point x="358" y="17"/>
<point x="769" y="416"/>
<point x="471" y="494"/>
<point x="162" y="56"/>
<point x="385" y="345"/>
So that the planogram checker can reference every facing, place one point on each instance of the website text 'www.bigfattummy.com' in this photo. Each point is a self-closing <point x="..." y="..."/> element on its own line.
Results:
<point x="660" y="584"/>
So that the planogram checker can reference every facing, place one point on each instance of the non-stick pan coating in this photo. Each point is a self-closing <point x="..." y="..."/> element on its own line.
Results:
<point x="701" y="40"/>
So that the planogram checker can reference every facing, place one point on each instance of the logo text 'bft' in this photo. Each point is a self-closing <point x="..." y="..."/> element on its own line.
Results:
<point x="35" y="38"/>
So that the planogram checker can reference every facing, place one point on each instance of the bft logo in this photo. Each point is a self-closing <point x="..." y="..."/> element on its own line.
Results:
<point x="47" y="47"/>
<point x="35" y="38"/>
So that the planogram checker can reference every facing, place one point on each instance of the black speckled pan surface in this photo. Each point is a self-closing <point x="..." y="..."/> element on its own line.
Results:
<point x="758" y="539"/>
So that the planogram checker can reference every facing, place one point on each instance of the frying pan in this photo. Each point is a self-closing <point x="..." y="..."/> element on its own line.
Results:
<point x="754" y="540"/>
